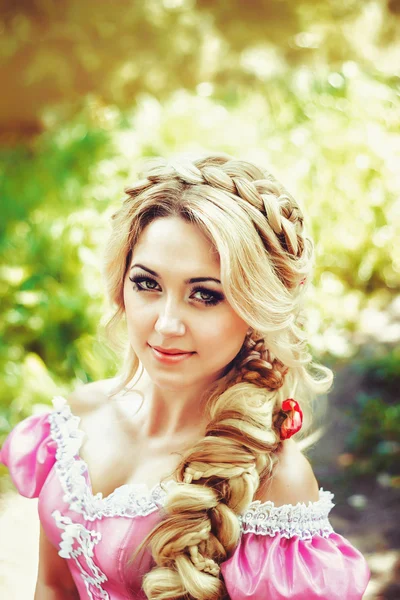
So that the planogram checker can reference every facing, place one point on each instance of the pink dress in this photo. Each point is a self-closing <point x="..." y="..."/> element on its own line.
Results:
<point x="285" y="552"/>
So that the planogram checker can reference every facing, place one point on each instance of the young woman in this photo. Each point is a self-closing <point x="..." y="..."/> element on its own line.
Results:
<point x="178" y="479"/>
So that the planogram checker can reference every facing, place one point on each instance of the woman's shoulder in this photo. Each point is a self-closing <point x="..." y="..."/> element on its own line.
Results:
<point x="89" y="397"/>
<point x="288" y="548"/>
<point x="29" y="453"/>
<point x="293" y="479"/>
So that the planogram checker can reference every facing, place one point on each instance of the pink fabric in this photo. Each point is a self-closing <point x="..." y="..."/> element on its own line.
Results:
<point x="280" y="569"/>
<point x="261" y="567"/>
<point x="29" y="452"/>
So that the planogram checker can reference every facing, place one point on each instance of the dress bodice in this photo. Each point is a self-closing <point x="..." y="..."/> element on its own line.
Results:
<point x="288" y="551"/>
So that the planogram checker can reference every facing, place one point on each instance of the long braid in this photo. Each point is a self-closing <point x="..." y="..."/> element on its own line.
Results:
<point x="255" y="364"/>
<point x="218" y="477"/>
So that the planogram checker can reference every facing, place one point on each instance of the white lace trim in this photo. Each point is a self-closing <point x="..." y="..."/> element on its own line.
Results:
<point x="130" y="500"/>
<point x="302" y="520"/>
<point x="133" y="500"/>
<point x="79" y="542"/>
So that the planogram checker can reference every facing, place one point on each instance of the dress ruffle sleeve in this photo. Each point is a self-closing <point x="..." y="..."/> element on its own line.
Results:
<point x="29" y="453"/>
<point x="292" y="553"/>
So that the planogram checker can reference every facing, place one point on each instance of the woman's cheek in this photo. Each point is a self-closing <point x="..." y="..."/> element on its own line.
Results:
<point x="221" y="330"/>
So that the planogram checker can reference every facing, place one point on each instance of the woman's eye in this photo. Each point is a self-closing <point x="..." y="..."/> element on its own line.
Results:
<point x="207" y="297"/>
<point x="144" y="283"/>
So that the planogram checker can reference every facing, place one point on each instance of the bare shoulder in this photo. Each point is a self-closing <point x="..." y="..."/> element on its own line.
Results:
<point x="293" y="479"/>
<point x="89" y="397"/>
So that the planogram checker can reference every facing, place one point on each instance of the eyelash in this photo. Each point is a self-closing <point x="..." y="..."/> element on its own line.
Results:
<point x="216" y="297"/>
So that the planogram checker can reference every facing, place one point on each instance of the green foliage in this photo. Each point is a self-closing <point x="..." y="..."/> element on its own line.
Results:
<point x="374" y="440"/>
<point x="384" y="370"/>
<point x="116" y="51"/>
<point x="50" y="289"/>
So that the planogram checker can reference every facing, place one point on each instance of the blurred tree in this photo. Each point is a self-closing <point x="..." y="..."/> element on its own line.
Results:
<point x="56" y="53"/>
<point x="50" y="268"/>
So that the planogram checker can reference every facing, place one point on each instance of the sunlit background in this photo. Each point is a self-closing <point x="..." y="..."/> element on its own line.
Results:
<point x="307" y="88"/>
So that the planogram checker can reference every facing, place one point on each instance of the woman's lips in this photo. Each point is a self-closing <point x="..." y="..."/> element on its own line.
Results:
<point x="171" y="350"/>
<point x="170" y="358"/>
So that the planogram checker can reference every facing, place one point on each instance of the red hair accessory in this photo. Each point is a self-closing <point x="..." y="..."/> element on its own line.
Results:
<point x="293" y="418"/>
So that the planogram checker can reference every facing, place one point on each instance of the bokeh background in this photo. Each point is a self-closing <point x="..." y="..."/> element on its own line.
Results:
<point x="308" y="88"/>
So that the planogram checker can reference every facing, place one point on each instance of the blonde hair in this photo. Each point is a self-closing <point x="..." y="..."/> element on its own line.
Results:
<point x="266" y="261"/>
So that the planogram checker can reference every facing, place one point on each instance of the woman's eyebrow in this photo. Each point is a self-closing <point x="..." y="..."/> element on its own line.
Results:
<point x="192" y="280"/>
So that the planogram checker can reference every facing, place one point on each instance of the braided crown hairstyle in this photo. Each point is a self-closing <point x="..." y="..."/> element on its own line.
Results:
<point x="266" y="259"/>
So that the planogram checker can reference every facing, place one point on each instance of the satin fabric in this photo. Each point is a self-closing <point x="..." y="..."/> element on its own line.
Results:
<point x="276" y="568"/>
<point x="29" y="452"/>
<point x="261" y="568"/>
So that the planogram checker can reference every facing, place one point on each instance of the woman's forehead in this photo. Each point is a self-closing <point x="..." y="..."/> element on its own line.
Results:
<point x="172" y="239"/>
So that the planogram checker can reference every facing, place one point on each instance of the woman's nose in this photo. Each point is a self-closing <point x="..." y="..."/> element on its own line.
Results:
<point x="168" y="324"/>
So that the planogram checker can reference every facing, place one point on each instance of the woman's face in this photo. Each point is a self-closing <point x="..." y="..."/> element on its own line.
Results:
<point x="174" y="301"/>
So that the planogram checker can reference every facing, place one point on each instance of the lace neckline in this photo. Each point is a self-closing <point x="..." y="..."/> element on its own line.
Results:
<point x="127" y="500"/>
<point x="131" y="500"/>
